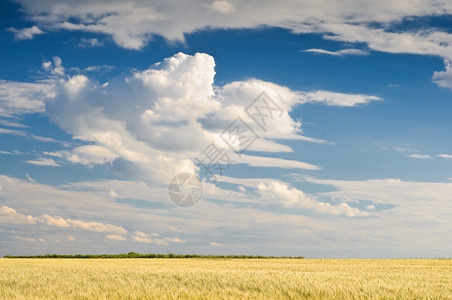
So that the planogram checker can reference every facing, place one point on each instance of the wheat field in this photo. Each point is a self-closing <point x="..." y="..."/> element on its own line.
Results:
<point x="225" y="279"/>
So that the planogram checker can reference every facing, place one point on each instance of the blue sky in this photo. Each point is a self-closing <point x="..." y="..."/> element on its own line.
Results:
<point x="103" y="103"/>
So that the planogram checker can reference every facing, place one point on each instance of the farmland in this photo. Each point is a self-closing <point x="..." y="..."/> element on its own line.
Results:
<point x="215" y="278"/>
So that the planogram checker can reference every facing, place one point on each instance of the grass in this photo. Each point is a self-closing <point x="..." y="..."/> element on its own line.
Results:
<point x="202" y="278"/>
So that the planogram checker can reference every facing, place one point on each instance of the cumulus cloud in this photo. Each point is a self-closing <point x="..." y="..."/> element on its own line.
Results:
<point x="91" y="154"/>
<point x="157" y="119"/>
<point x="152" y="123"/>
<point x="222" y="6"/>
<point x="96" y="226"/>
<point x="90" y="43"/>
<point x="215" y="244"/>
<point x="271" y="191"/>
<point x="55" y="68"/>
<point x="29" y="239"/>
<point x="292" y="197"/>
<point x="115" y="237"/>
<point x="448" y="156"/>
<point x="444" y="78"/>
<point x="10" y="216"/>
<point x="141" y="237"/>
<point x="25" y="33"/>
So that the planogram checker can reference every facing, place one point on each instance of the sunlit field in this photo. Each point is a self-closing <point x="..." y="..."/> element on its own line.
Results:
<point x="224" y="279"/>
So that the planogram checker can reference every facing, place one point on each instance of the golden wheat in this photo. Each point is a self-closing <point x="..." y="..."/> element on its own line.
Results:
<point x="224" y="279"/>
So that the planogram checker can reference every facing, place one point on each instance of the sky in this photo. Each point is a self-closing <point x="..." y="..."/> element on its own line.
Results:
<point x="310" y="128"/>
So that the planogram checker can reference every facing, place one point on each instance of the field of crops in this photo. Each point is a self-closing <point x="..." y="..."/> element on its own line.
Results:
<point x="224" y="279"/>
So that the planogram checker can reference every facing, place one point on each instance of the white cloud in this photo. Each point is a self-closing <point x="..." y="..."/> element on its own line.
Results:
<point x="131" y="24"/>
<point x="271" y="191"/>
<point x="172" y="113"/>
<point x="55" y="68"/>
<point x="147" y="240"/>
<point x="419" y="156"/>
<point x="444" y="78"/>
<point x="291" y="197"/>
<point x="43" y="162"/>
<point x="43" y="139"/>
<point x="88" y="155"/>
<point x="10" y="216"/>
<point x="12" y="132"/>
<point x="115" y="237"/>
<point x="25" y="134"/>
<point x="391" y="191"/>
<point x="30" y="179"/>
<point x="140" y="234"/>
<point x="90" y="43"/>
<point x="53" y="221"/>
<point x="21" y="98"/>
<point x="260" y="161"/>
<point x="222" y="6"/>
<point x="417" y="222"/>
<point x="75" y="84"/>
<point x="149" y="123"/>
<point x="174" y="240"/>
<point x="91" y="154"/>
<point x="101" y="68"/>
<point x="25" y="33"/>
<point x="448" y="156"/>
<point x="141" y="237"/>
<point x="343" y="52"/>
<point x="29" y="239"/>
<point x="96" y="226"/>
<point x="181" y="76"/>
<point x="337" y="99"/>
<point x="10" y="123"/>
<point x="264" y="145"/>
<point x="215" y="244"/>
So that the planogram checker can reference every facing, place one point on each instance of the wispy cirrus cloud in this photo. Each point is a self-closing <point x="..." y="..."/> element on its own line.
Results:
<point x="43" y="162"/>
<point x="419" y="156"/>
<point x="343" y="52"/>
<point x="337" y="99"/>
